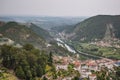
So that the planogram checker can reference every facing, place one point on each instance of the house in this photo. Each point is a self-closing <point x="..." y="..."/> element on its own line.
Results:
<point x="61" y="66"/>
<point x="117" y="64"/>
<point x="92" y="65"/>
<point x="85" y="74"/>
<point x="67" y="78"/>
<point x="77" y="65"/>
<point x="92" y="77"/>
<point x="84" y="66"/>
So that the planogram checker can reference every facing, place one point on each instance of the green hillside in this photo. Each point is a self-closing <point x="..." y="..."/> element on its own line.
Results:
<point x="21" y="34"/>
<point x="41" y="32"/>
<point x="33" y="35"/>
<point x="95" y="27"/>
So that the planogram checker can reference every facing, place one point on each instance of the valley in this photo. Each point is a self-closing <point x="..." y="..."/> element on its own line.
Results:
<point x="60" y="48"/>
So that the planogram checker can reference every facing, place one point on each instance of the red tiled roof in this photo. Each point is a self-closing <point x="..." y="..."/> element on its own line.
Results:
<point x="77" y="63"/>
<point x="93" y="75"/>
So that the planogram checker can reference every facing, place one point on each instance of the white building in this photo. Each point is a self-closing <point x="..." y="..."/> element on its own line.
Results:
<point x="85" y="74"/>
<point x="61" y="66"/>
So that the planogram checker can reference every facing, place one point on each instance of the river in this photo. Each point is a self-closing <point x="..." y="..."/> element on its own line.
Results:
<point x="73" y="50"/>
<point x="63" y="44"/>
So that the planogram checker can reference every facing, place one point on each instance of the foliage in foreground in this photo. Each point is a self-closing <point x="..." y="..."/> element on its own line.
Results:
<point x="27" y="62"/>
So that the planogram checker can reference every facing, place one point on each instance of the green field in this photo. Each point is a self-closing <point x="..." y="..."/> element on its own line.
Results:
<point x="109" y="52"/>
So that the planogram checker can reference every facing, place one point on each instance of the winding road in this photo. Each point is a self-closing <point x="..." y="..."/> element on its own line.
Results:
<point x="89" y="55"/>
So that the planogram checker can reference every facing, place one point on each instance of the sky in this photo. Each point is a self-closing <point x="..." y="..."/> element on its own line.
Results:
<point x="59" y="7"/>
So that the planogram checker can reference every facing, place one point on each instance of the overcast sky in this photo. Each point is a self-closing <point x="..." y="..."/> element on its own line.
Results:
<point x="59" y="7"/>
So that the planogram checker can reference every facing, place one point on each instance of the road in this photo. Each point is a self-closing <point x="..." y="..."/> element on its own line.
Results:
<point x="89" y="55"/>
<point x="85" y="54"/>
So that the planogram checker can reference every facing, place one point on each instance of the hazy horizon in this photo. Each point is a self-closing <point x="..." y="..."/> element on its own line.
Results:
<point x="56" y="8"/>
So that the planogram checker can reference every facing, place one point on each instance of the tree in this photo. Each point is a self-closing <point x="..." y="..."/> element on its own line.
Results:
<point x="118" y="72"/>
<point x="39" y="71"/>
<point x="50" y="60"/>
<point x="75" y="78"/>
<point x="70" y="69"/>
<point x="44" y="78"/>
<point x="27" y="62"/>
<point x="13" y="56"/>
<point x="28" y="75"/>
<point x="28" y="47"/>
<point x="6" y="56"/>
<point x="31" y="58"/>
<point x="35" y="52"/>
<point x="77" y="73"/>
<point x="33" y="70"/>
<point x="20" y="73"/>
<point x="100" y="53"/>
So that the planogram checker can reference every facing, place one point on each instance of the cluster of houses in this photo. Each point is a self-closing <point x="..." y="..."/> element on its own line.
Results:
<point x="86" y="67"/>
<point x="107" y="43"/>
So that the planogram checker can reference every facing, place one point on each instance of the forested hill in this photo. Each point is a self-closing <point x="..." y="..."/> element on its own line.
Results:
<point x="95" y="28"/>
<point x="21" y="34"/>
<point x="41" y="32"/>
<point x="32" y="34"/>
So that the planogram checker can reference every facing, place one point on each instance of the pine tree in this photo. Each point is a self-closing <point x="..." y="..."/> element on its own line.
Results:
<point x="50" y="60"/>
<point x="20" y="73"/>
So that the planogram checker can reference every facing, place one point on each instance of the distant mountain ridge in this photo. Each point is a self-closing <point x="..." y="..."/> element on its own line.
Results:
<point x="95" y="28"/>
<point x="45" y="22"/>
